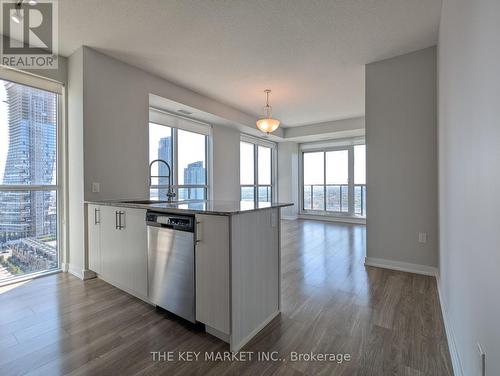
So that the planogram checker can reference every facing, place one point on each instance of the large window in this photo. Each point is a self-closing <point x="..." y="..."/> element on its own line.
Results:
<point x="256" y="171"/>
<point x="29" y="182"/>
<point x="334" y="181"/>
<point x="360" y="180"/>
<point x="186" y="154"/>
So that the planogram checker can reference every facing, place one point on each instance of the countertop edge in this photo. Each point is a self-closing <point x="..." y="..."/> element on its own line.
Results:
<point x="155" y="207"/>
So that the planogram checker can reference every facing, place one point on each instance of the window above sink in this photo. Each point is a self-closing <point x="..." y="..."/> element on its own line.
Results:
<point x="183" y="144"/>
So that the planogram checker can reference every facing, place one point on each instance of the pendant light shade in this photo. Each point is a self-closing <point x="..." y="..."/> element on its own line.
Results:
<point x="267" y="124"/>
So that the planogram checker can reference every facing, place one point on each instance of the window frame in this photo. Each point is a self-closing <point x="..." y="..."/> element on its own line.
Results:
<point x="325" y="148"/>
<point x="60" y="186"/>
<point x="175" y="153"/>
<point x="256" y="142"/>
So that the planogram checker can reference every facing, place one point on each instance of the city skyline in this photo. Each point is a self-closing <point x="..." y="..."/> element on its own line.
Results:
<point x="193" y="174"/>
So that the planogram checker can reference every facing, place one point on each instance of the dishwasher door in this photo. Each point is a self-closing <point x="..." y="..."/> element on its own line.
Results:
<point x="171" y="276"/>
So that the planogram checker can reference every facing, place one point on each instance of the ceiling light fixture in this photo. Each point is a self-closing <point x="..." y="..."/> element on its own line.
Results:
<point x="267" y="124"/>
<point x="32" y="2"/>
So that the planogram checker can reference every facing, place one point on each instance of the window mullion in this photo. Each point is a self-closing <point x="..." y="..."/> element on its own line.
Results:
<point x="324" y="181"/>
<point x="175" y="156"/>
<point x="350" y="187"/>
<point x="256" y="172"/>
<point x="30" y="187"/>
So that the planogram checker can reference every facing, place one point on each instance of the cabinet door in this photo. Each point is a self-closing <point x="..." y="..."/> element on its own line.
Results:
<point x="94" y="237"/>
<point x="110" y="245"/>
<point x="212" y="271"/>
<point x="133" y="251"/>
<point x="124" y="249"/>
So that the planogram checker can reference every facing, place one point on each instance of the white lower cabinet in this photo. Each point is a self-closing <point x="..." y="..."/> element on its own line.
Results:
<point x="94" y="237"/>
<point x="111" y="265"/>
<point x="133" y="257"/>
<point x="212" y="271"/>
<point x="119" y="242"/>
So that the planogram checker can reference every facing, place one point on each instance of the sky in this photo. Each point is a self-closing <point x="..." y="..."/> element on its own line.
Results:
<point x="247" y="164"/>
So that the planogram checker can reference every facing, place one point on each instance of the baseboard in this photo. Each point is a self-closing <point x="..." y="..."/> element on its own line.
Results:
<point x="83" y="274"/>
<point x="289" y="217"/>
<point x="358" y="221"/>
<point x="64" y="267"/>
<point x="244" y="341"/>
<point x="126" y="289"/>
<point x="450" y="335"/>
<point x="401" y="266"/>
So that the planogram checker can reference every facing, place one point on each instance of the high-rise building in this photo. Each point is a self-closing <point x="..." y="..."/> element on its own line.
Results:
<point x="194" y="174"/>
<point x="31" y="160"/>
<point x="164" y="153"/>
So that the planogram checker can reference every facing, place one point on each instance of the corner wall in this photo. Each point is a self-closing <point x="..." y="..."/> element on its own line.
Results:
<point x="469" y="181"/>
<point x="226" y="163"/>
<point x="75" y="183"/>
<point x="402" y="161"/>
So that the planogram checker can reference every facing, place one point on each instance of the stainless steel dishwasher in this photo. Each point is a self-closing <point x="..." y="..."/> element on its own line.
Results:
<point x="171" y="283"/>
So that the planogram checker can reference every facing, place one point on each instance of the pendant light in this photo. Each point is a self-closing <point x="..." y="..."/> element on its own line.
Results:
<point x="267" y="124"/>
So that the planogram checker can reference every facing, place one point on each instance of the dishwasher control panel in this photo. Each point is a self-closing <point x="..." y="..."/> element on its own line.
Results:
<point x="176" y="222"/>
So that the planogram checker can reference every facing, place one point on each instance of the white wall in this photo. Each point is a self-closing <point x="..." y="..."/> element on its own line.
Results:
<point x="469" y="178"/>
<point x="288" y="177"/>
<point x="116" y="115"/>
<point x="76" y="226"/>
<point x="226" y="163"/>
<point x="402" y="158"/>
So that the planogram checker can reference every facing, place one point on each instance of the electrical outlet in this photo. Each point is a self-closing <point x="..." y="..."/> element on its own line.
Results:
<point x="422" y="237"/>
<point x="96" y="187"/>
<point x="482" y="359"/>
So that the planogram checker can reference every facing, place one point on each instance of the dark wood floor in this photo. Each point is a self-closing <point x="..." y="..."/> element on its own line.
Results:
<point x="389" y="322"/>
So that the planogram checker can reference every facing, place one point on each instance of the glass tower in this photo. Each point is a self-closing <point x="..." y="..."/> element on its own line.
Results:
<point x="194" y="174"/>
<point x="30" y="160"/>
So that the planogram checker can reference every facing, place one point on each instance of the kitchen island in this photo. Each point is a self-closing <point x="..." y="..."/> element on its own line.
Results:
<point x="236" y="258"/>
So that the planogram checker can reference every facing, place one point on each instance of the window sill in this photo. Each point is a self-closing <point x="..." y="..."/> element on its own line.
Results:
<point x="28" y="277"/>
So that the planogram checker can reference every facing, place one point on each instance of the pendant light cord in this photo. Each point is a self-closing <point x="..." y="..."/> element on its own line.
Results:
<point x="268" y="108"/>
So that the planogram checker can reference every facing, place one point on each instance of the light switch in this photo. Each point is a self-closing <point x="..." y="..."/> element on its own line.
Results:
<point x="96" y="187"/>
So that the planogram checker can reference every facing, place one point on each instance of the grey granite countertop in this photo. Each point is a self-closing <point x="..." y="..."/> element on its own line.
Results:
<point x="196" y="206"/>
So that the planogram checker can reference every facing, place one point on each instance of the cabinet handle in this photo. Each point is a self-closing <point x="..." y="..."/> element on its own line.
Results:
<point x="198" y="232"/>
<point x="122" y="223"/>
<point x="96" y="220"/>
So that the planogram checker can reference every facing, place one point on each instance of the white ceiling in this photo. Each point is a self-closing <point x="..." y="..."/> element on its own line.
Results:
<point x="311" y="53"/>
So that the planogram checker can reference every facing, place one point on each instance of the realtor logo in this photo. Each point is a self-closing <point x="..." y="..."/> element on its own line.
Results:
<point x="29" y="34"/>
